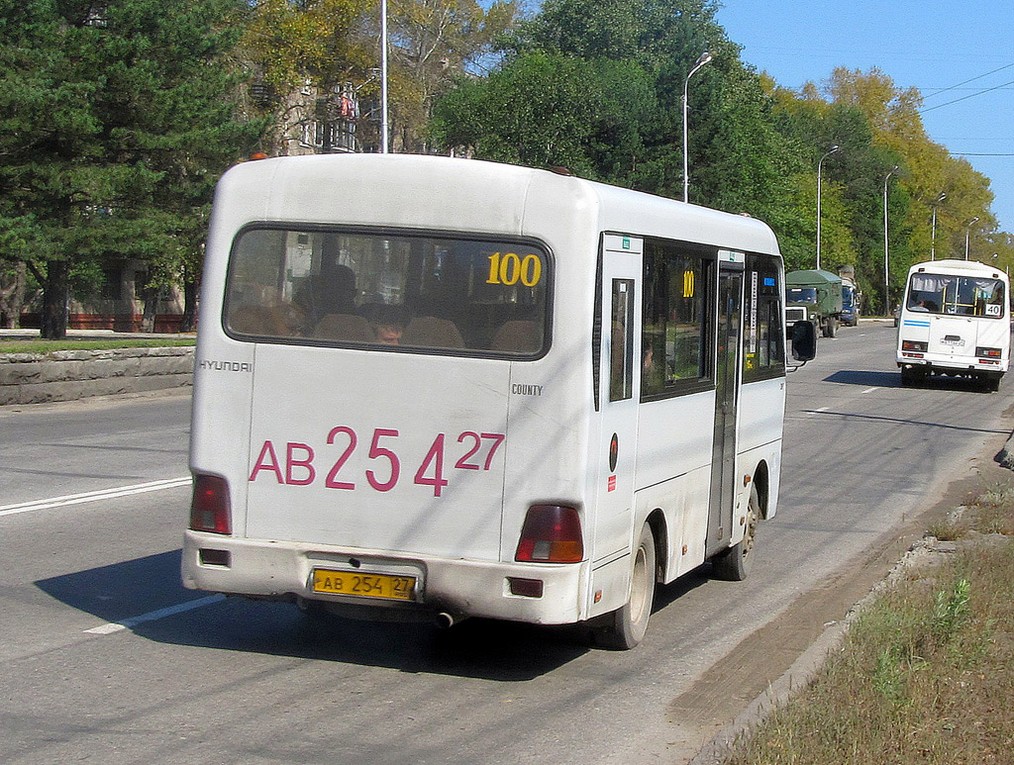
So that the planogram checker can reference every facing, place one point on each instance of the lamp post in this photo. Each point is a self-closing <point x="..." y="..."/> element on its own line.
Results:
<point x="831" y="151"/>
<point x="383" y="78"/>
<point x="887" y="299"/>
<point x="703" y="59"/>
<point x="968" y="228"/>
<point x="933" y="236"/>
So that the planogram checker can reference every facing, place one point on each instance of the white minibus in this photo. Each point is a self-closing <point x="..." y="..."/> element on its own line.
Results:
<point x="954" y="320"/>
<point x="438" y="387"/>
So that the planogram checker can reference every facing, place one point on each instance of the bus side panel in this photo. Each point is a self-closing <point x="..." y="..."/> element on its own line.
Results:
<point x="692" y="418"/>
<point x="223" y="368"/>
<point x="676" y="480"/>
<point x="761" y="412"/>
<point x="547" y="446"/>
<point x="684" y="500"/>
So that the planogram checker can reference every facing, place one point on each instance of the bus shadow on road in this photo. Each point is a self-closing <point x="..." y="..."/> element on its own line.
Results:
<point x="866" y="377"/>
<point x="145" y="597"/>
<point x="879" y="379"/>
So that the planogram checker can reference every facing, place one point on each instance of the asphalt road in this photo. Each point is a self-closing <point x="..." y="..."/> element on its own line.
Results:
<point x="105" y="657"/>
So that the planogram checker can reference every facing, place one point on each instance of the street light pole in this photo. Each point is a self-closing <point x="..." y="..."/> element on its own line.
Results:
<point x="933" y="236"/>
<point x="703" y="59"/>
<point x="968" y="228"/>
<point x="831" y="151"/>
<point x="383" y="78"/>
<point x="887" y="299"/>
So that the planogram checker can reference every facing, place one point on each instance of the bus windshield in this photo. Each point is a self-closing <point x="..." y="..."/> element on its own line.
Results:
<point x="957" y="295"/>
<point x="389" y="291"/>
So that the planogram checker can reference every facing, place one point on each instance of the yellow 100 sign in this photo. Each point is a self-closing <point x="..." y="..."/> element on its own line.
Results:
<point x="509" y="268"/>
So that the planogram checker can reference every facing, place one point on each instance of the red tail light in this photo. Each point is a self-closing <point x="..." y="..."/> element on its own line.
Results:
<point x="551" y="534"/>
<point x="209" y="508"/>
<point x="988" y="353"/>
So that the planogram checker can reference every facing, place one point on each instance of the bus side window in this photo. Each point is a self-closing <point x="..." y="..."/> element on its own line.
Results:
<point x="621" y="347"/>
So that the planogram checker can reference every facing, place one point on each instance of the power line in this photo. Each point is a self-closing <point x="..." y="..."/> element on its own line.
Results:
<point x="965" y="98"/>
<point x="973" y="79"/>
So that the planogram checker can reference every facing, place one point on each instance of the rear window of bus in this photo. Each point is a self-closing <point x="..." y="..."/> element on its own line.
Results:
<point x="957" y="295"/>
<point x="398" y="292"/>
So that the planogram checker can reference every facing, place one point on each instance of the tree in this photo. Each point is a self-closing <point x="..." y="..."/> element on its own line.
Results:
<point x="126" y="123"/>
<point x="432" y="42"/>
<point x="545" y="109"/>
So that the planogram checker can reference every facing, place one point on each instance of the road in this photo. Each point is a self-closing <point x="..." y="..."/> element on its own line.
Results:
<point x="104" y="657"/>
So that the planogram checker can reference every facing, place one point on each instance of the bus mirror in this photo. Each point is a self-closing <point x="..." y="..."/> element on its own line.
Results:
<point x="804" y="340"/>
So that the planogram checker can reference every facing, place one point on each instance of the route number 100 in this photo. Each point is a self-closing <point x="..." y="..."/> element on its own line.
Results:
<point x="509" y="268"/>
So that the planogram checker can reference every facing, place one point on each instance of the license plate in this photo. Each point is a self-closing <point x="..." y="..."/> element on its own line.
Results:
<point x="360" y="585"/>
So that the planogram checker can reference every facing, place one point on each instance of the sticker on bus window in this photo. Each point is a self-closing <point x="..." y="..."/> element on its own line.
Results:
<point x="509" y="269"/>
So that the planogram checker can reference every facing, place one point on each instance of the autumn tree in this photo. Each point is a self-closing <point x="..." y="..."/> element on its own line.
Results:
<point x="433" y="42"/>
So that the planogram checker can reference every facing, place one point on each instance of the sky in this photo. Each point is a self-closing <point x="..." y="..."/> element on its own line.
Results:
<point x="960" y="55"/>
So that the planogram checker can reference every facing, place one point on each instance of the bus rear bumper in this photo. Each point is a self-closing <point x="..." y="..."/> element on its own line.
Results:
<point x="275" y="570"/>
<point x="939" y="364"/>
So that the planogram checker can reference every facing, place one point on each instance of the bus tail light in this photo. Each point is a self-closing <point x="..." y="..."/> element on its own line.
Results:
<point x="209" y="507"/>
<point x="914" y="345"/>
<point x="551" y="534"/>
<point x="987" y="353"/>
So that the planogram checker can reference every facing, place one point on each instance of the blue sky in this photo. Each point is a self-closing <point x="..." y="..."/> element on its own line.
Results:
<point x="960" y="55"/>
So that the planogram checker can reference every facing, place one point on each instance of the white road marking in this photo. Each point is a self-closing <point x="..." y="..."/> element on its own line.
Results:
<point x="151" y="616"/>
<point x="93" y="496"/>
<point x="869" y="390"/>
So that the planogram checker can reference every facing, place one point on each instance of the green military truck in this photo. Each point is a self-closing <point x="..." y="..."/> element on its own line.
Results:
<point x="814" y="296"/>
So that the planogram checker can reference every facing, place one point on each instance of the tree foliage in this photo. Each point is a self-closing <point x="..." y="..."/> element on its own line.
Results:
<point x="753" y="147"/>
<point x="117" y="118"/>
<point x="118" y="123"/>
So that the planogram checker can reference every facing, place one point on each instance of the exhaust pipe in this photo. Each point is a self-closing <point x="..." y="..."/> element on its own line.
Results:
<point x="445" y="620"/>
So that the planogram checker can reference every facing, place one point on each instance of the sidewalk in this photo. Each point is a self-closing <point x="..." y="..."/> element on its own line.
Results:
<point x="93" y="334"/>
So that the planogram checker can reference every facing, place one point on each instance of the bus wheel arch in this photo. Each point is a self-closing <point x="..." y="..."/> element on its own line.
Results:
<point x="761" y="482"/>
<point x="625" y="627"/>
<point x="734" y="564"/>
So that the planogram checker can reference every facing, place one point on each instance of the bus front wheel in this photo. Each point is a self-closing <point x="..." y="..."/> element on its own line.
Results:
<point x="733" y="565"/>
<point x="628" y="624"/>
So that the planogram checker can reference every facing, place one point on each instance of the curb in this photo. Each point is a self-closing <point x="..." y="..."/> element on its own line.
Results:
<point x="70" y="375"/>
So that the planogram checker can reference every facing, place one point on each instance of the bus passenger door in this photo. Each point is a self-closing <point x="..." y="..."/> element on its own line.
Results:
<point x="727" y="371"/>
<point x="619" y="386"/>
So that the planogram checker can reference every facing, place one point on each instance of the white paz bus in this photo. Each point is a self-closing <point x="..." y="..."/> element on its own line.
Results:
<point x="441" y="388"/>
<point x="955" y="320"/>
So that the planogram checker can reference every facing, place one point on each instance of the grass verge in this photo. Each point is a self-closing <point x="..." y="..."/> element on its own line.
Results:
<point x="924" y="673"/>
<point x="70" y="344"/>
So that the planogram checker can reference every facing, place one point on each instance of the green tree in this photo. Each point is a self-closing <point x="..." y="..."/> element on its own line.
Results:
<point x="118" y="122"/>
<point x="619" y="117"/>
<point x="546" y="109"/>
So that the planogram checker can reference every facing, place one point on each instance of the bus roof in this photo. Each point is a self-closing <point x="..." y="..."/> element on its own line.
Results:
<point x="953" y="265"/>
<point x="464" y="195"/>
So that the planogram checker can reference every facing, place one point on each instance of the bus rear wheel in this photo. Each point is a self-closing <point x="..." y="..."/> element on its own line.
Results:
<point x="733" y="565"/>
<point x="628" y="624"/>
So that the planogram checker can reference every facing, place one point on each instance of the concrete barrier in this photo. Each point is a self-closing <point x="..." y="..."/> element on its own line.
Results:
<point x="34" y="378"/>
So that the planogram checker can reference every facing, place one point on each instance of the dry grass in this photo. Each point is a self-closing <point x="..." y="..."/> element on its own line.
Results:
<point x="924" y="675"/>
